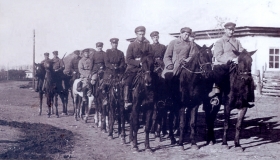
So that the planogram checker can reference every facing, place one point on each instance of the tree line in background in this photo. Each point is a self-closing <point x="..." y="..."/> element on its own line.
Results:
<point x="13" y="75"/>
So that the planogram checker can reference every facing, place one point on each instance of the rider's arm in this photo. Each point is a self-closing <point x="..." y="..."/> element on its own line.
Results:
<point x="168" y="54"/>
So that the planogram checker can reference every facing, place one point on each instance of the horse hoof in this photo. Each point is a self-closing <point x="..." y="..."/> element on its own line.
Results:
<point x="158" y="139"/>
<point x="123" y="141"/>
<point x="110" y="138"/>
<point x="173" y="141"/>
<point x="135" y="149"/>
<point x="239" y="149"/>
<point x="148" y="150"/>
<point x="225" y="146"/>
<point x="194" y="147"/>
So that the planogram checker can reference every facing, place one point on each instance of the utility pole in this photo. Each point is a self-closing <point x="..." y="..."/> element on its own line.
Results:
<point x="33" y="59"/>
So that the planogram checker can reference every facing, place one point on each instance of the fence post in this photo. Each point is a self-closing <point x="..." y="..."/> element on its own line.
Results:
<point x="259" y="84"/>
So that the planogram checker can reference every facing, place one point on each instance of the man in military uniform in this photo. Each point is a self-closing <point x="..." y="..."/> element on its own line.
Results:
<point x="114" y="60"/>
<point x="85" y="66"/>
<point x="74" y="69"/>
<point x="133" y="55"/>
<point x="223" y="53"/>
<point x="179" y="51"/>
<point x="46" y="58"/>
<point x="98" y="63"/>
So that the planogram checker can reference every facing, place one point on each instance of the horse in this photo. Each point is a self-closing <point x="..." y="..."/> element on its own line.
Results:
<point x="50" y="87"/>
<point x="79" y="105"/>
<point x="194" y="88"/>
<point x="113" y="88"/>
<point x="162" y="102"/>
<point x="237" y="96"/>
<point x="142" y="99"/>
<point x="101" y="112"/>
<point x="40" y="73"/>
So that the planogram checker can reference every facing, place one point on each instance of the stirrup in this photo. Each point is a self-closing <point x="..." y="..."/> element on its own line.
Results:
<point x="214" y="101"/>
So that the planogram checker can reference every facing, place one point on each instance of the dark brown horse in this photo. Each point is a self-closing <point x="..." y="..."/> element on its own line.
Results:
<point x="239" y="93"/>
<point x="142" y="99"/>
<point x="40" y="73"/>
<point x="194" y="88"/>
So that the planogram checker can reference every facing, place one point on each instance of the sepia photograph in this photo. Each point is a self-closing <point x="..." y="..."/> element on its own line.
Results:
<point x="140" y="79"/>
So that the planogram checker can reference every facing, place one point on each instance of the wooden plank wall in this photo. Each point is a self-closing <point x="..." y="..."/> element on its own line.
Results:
<point x="271" y="83"/>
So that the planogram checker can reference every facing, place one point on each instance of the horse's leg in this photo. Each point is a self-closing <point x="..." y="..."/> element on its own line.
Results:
<point x="240" y="118"/>
<point x="73" y="100"/>
<point x="76" y="106"/>
<point x="41" y="102"/>
<point x="226" y="124"/>
<point x="134" y="125"/>
<point x="211" y="112"/>
<point x="182" y="115"/>
<point x="193" y="119"/>
<point x="122" y="116"/>
<point x="48" y="100"/>
<point x="90" y="100"/>
<point x="158" y="123"/>
<point x="56" y="104"/>
<point x="149" y="114"/>
<point x="171" y="125"/>
<point x="111" y="120"/>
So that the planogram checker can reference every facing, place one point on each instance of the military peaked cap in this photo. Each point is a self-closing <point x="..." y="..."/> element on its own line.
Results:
<point x="77" y="52"/>
<point x="85" y="50"/>
<point x="55" y="52"/>
<point x="46" y="54"/>
<point x="230" y="25"/>
<point x="186" y="29"/>
<point x="154" y="33"/>
<point x="140" y="29"/>
<point x="114" y="40"/>
<point x="99" y="44"/>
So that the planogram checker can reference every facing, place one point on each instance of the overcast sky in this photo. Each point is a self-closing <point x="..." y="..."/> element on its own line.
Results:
<point x="67" y="25"/>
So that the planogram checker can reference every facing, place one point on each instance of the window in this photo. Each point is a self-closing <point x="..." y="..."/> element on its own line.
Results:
<point x="274" y="58"/>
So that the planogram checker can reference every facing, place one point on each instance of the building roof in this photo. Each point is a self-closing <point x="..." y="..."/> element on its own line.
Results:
<point x="239" y="32"/>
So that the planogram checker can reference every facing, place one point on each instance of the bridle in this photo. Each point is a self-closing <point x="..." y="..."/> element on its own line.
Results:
<point x="201" y="67"/>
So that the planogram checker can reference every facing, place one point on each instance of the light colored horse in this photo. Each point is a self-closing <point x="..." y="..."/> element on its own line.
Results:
<point x="78" y="102"/>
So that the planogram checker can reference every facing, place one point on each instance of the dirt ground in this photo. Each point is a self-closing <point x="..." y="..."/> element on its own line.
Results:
<point x="25" y="135"/>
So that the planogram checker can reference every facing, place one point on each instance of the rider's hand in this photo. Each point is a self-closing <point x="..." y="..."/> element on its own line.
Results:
<point x="235" y="60"/>
<point x="140" y="64"/>
<point x="183" y="62"/>
<point x="74" y="72"/>
<point x="170" y="67"/>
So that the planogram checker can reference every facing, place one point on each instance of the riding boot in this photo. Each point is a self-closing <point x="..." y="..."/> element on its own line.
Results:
<point x="126" y="97"/>
<point x="214" y="91"/>
<point x="80" y="86"/>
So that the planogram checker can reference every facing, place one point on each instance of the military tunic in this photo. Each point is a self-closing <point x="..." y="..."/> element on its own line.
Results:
<point x="85" y="66"/>
<point x="133" y="55"/>
<point x="159" y="50"/>
<point x="114" y="58"/>
<point x="223" y="49"/>
<point x="176" y="51"/>
<point x="57" y="64"/>
<point x="98" y="61"/>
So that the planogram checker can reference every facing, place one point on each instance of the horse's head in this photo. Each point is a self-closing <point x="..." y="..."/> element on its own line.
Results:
<point x="205" y="59"/>
<point x="147" y="68"/>
<point x="39" y="70"/>
<point x="244" y="63"/>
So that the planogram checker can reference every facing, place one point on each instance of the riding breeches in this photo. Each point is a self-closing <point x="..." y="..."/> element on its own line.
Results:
<point x="128" y="78"/>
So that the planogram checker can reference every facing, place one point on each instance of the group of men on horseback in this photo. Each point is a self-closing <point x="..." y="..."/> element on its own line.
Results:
<point x="168" y="64"/>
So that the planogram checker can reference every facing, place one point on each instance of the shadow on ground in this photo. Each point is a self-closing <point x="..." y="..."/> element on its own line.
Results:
<point x="38" y="141"/>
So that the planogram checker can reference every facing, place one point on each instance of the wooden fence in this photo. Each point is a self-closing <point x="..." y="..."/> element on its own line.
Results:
<point x="271" y="83"/>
